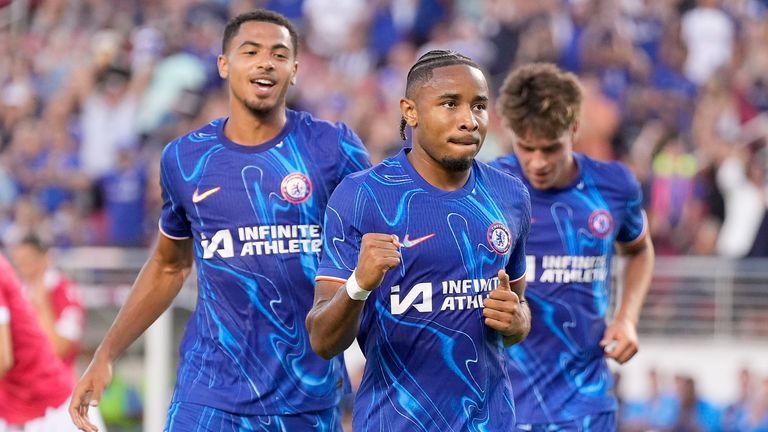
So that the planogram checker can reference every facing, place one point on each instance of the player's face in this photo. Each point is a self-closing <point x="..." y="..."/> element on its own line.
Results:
<point x="260" y="64"/>
<point x="547" y="163"/>
<point x="449" y="116"/>
<point x="29" y="262"/>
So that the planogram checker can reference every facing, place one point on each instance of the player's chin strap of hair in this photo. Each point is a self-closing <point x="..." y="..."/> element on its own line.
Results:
<point x="354" y="291"/>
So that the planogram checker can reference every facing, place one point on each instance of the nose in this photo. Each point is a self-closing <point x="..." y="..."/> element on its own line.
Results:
<point x="467" y="120"/>
<point x="265" y="61"/>
<point x="538" y="160"/>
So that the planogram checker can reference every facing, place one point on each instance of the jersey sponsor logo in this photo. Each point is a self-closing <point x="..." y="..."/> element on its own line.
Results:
<point x="197" y="197"/>
<point x="296" y="188"/>
<point x="409" y="243"/>
<point x="601" y="223"/>
<point x="567" y="268"/>
<point x="421" y="290"/>
<point x="263" y="240"/>
<point x="463" y="294"/>
<point x="499" y="238"/>
<point x="221" y="243"/>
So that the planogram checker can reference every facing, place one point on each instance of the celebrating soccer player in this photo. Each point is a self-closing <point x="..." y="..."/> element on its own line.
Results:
<point x="581" y="209"/>
<point x="245" y="196"/>
<point x="424" y="263"/>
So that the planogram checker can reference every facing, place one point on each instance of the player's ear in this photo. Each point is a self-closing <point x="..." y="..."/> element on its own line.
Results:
<point x="408" y="108"/>
<point x="223" y="64"/>
<point x="575" y="130"/>
<point x="293" y="73"/>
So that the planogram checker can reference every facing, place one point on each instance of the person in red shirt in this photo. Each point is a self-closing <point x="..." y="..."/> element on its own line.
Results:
<point x="35" y="385"/>
<point x="55" y="298"/>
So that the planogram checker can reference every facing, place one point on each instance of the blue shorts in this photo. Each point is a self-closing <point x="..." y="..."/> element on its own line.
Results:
<point x="602" y="422"/>
<point x="188" y="417"/>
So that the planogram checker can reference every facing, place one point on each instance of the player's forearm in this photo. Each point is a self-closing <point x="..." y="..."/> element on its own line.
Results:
<point x="152" y="293"/>
<point x="47" y="318"/>
<point x="637" y="281"/>
<point x="333" y="324"/>
<point x="6" y="350"/>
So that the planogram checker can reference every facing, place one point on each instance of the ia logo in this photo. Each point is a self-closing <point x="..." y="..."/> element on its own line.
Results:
<point x="220" y="243"/>
<point x="423" y="290"/>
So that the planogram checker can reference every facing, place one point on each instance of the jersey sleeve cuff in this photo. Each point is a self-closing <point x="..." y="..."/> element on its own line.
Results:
<point x="640" y="236"/>
<point x="333" y="275"/>
<point x="5" y="315"/>
<point x="174" y="236"/>
<point x="517" y="279"/>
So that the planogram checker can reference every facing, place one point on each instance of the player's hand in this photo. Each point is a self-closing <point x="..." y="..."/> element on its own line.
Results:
<point x="88" y="392"/>
<point x="620" y="340"/>
<point x="503" y="311"/>
<point x="378" y="254"/>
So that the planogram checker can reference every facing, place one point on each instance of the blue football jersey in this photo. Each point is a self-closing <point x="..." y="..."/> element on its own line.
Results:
<point x="431" y="363"/>
<point x="559" y="372"/>
<point x="255" y="214"/>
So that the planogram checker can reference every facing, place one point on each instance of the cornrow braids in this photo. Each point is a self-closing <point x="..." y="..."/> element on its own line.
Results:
<point x="421" y="72"/>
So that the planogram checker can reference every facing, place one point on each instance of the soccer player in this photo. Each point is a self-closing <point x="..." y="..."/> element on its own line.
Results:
<point x="34" y="384"/>
<point x="245" y="196"/>
<point x="54" y="297"/>
<point x="581" y="210"/>
<point x="423" y="261"/>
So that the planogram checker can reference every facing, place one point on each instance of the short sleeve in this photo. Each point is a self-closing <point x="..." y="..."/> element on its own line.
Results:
<point x="634" y="223"/>
<point x="342" y="231"/>
<point x="354" y="156"/>
<point x="516" y="267"/>
<point x="173" y="220"/>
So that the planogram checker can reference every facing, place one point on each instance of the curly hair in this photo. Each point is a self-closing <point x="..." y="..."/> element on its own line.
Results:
<point x="540" y="99"/>
<point x="259" y="15"/>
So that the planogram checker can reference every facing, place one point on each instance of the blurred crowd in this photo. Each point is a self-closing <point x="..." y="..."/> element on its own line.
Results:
<point x="91" y="90"/>
<point x="674" y="404"/>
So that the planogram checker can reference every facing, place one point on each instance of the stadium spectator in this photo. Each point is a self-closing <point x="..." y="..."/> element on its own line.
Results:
<point x="35" y="385"/>
<point x="55" y="299"/>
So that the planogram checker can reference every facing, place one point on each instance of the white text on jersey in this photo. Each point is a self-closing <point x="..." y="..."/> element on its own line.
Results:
<point x="264" y="240"/>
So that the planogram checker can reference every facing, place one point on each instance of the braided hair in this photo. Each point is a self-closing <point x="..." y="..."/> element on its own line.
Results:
<point x="421" y="72"/>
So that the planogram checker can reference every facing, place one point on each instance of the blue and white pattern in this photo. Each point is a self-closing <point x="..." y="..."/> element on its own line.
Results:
<point x="559" y="372"/>
<point x="254" y="214"/>
<point x="432" y="364"/>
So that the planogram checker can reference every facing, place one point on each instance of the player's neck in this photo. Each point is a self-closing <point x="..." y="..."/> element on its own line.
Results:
<point x="435" y="174"/>
<point x="570" y="174"/>
<point x="249" y="129"/>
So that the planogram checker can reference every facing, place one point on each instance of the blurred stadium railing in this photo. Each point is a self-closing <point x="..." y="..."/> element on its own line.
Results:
<point x="700" y="311"/>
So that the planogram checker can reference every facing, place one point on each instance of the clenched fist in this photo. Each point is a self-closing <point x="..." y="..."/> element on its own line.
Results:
<point x="378" y="254"/>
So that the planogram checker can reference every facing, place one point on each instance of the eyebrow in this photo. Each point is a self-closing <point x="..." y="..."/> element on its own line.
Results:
<point x="549" y="145"/>
<point x="258" y="45"/>
<point x="458" y="96"/>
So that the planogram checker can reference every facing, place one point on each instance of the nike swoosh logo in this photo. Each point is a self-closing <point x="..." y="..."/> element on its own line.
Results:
<point x="408" y="243"/>
<point x="196" y="198"/>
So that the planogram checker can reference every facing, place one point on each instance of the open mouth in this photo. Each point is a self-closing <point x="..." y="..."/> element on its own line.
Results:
<point x="263" y="84"/>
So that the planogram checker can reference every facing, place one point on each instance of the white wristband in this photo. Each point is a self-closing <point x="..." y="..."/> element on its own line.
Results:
<point x="354" y="291"/>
